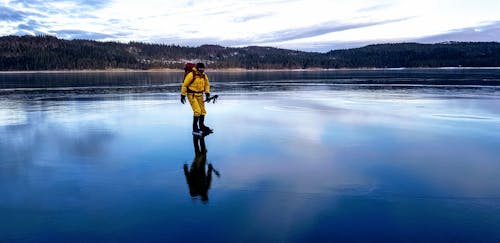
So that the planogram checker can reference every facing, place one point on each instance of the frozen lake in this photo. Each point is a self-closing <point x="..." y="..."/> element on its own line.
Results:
<point x="302" y="157"/>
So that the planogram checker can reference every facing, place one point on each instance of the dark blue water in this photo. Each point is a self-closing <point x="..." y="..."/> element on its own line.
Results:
<point x="313" y="161"/>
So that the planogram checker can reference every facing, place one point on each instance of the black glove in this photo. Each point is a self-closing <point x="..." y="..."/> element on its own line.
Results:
<point x="207" y="95"/>
<point x="183" y="99"/>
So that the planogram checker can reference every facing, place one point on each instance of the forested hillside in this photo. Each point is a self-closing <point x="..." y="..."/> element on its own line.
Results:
<point x="453" y="54"/>
<point x="51" y="53"/>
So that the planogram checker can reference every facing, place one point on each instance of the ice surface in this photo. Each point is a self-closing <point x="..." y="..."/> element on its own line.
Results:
<point x="321" y="164"/>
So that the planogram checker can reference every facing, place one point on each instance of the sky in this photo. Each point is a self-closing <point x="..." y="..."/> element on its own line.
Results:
<point x="307" y="25"/>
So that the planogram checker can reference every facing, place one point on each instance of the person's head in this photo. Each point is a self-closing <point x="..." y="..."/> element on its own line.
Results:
<point x="200" y="67"/>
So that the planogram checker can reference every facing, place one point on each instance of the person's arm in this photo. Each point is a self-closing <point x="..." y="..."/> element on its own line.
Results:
<point x="207" y="87"/>
<point x="209" y="177"/>
<point x="187" y="81"/>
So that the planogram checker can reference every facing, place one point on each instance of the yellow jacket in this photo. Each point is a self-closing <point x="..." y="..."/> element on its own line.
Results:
<point x="200" y="84"/>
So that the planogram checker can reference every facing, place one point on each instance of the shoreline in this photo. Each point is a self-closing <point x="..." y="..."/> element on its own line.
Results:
<point x="169" y="70"/>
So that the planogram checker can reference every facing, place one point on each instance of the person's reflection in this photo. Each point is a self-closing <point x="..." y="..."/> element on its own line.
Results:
<point x="197" y="178"/>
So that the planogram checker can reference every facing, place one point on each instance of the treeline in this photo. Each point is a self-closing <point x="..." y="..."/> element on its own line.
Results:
<point x="51" y="53"/>
<point x="452" y="54"/>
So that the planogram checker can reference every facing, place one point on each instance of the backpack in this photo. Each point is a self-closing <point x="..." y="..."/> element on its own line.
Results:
<point x="188" y="67"/>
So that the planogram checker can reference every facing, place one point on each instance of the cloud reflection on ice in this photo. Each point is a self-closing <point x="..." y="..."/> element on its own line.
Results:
<point x="11" y="114"/>
<point x="346" y="139"/>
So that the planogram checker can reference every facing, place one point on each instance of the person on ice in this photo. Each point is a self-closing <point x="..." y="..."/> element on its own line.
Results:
<point x="195" y="84"/>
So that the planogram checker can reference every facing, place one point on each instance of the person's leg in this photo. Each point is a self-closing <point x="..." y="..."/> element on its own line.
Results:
<point x="196" y="112"/>
<point x="196" y="119"/>
<point x="201" y="103"/>
<point x="202" y="116"/>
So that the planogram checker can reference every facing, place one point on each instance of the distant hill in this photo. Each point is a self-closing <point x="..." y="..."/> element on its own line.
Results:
<point x="50" y="53"/>
<point x="450" y="54"/>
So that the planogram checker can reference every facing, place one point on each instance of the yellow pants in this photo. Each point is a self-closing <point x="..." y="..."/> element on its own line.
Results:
<point x="197" y="103"/>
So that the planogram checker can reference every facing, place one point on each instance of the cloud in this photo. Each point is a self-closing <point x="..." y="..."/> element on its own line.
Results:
<point x="50" y="16"/>
<point x="38" y="3"/>
<point x="80" y="8"/>
<point x="488" y="32"/>
<point x="31" y="25"/>
<point x="19" y="22"/>
<point x="12" y="15"/>
<point x="375" y="7"/>
<point x="311" y="31"/>
<point x="88" y="35"/>
<point x="247" y="18"/>
<point x="286" y="38"/>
